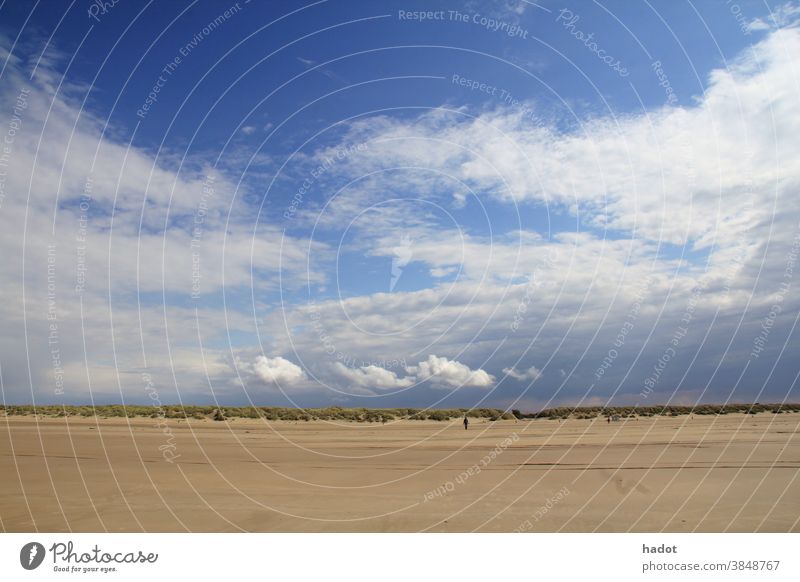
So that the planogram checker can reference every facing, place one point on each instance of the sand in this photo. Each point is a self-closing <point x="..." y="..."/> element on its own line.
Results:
<point x="706" y="473"/>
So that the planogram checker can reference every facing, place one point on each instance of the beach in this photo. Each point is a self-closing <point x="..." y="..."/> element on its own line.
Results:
<point x="734" y="472"/>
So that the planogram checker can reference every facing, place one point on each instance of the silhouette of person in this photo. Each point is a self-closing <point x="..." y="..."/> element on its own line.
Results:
<point x="466" y="423"/>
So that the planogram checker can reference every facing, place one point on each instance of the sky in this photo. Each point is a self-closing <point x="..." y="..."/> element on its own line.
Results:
<point x="512" y="204"/>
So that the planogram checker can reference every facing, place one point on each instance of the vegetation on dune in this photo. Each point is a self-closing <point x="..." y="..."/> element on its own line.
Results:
<point x="589" y="412"/>
<point x="265" y="412"/>
<point x="383" y="414"/>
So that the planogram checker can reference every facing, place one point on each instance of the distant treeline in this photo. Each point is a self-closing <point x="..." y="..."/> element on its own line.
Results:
<point x="265" y="412"/>
<point x="383" y="414"/>
<point x="586" y="412"/>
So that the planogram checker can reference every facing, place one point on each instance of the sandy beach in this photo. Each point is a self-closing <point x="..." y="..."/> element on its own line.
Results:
<point x="703" y="473"/>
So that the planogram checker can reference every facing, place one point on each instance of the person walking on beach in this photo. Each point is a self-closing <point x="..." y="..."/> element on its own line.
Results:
<point x="466" y="422"/>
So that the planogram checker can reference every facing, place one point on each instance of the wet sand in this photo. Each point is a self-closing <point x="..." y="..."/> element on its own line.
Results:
<point x="706" y="473"/>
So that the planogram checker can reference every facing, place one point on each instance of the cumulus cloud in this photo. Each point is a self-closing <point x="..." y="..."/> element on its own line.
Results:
<point x="440" y="370"/>
<point x="532" y="373"/>
<point x="372" y="377"/>
<point x="277" y="370"/>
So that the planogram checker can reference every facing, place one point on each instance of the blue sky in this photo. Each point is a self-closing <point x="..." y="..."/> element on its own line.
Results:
<point x="507" y="203"/>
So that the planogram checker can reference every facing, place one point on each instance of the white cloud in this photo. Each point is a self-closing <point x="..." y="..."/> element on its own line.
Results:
<point x="138" y="275"/>
<point x="782" y="15"/>
<point x="693" y="174"/>
<point x="532" y="373"/>
<point x="372" y="377"/>
<point x="277" y="370"/>
<point x="721" y="173"/>
<point x="440" y="370"/>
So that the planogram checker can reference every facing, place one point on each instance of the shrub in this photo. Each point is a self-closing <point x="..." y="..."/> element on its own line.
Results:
<point x="272" y="413"/>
